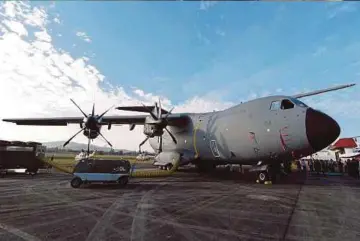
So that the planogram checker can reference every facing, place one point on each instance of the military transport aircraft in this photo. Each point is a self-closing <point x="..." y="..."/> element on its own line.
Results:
<point x="263" y="132"/>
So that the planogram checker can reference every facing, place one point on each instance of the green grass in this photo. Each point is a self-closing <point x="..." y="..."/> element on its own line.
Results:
<point x="68" y="161"/>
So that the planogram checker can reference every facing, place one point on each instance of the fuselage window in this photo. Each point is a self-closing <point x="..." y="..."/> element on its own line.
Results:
<point x="287" y="104"/>
<point x="275" y="105"/>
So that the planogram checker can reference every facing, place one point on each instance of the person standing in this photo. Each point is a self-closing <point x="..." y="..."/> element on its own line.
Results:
<point x="311" y="165"/>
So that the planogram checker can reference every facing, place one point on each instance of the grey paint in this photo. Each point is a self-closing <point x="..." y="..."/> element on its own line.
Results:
<point x="231" y="128"/>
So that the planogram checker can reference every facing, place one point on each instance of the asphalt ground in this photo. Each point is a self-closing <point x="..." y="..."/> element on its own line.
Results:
<point x="187" y="206"/>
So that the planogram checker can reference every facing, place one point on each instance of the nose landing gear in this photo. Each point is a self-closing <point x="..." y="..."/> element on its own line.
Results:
<point x="267" y="174"/>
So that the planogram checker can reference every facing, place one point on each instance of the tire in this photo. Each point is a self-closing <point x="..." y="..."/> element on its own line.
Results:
<point x="76" y="182"/>
<point x="123" y="180"/>
<point x="169" y="166"/>
<point x="263" y="177"/>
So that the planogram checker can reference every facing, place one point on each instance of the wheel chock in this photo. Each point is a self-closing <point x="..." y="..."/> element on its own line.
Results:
<point x="268" y="182"/>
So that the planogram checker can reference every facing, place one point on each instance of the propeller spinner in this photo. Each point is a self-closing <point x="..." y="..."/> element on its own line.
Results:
<point x="155" y="125"/>
<point x="91" y="126"/>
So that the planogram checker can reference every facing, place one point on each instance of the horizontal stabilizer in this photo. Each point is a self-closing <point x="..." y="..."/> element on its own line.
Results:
<point x="317" y="92"/>
<point x="140" y="108"/>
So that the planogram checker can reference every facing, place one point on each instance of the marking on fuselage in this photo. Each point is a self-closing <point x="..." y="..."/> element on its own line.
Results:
<point x="252" y="137"/>
<point x="282" y="139"/>
<point x="214" y="149"/>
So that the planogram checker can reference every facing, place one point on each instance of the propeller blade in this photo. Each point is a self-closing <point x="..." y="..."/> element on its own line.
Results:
<point x="172" y="136"/>
<point x="88" y="150"/>
<point x="79" y="108"/>
<point x="105" y="112"/>
<point x="151" y="113"/>
<point x="159" y="110"/>
<point x="105" y="139"/>
<point x="93" y="110"/>
<point x="156" y="108"/>
<point x="142" y="143"/>
<point x="160" y="144"/>
<point x="68" y="141"/>
<point x="166" y="116"/>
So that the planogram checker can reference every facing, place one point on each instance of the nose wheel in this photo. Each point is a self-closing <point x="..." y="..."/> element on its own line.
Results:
<point x="268" y="176"/>
<point x="263" y="177"/>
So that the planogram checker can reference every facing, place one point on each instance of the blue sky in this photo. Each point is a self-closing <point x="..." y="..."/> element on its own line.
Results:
<point x="180" y="50"/>
<point x="228" y="51"/>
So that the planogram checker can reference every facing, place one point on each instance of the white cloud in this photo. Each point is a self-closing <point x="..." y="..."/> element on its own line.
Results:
<point x="340" y="8"/>
<point x="220" y="32"/>
<point x="15" y="27"/>
<point x="203" y="38"/>
<point x="205" y="5"/>
<point x="43" y="36"/>
<point x="83" y="36"/>
<point x="37" y="79"/>
<point x="319" y="51"/>
<point x="56" y="19"/>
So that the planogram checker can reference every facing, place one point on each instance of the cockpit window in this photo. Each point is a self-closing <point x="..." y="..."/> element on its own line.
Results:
<point x="286" y="104"/>
<point x="275" y="105"/>
<point x="298" y="102"/>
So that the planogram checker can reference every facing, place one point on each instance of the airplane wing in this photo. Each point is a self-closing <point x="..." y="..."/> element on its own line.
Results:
<point x="174" y="119"/>
<point x="140" y="109"/>
<point x="317" y="92"/>
<point x="55" y="121"/>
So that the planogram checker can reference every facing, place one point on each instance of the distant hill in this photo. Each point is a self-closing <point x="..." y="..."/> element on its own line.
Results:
<point x="78" y="146"/>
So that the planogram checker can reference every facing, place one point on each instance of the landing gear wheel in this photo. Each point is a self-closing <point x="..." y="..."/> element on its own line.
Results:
<point x="123" y="181"/>
<point x="169" y="166"/>
<point x="76" y="182"/>
<point x="263" y="177"/>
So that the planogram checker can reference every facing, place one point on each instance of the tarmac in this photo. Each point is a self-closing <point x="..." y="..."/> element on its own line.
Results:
<point x="187" y="206"/>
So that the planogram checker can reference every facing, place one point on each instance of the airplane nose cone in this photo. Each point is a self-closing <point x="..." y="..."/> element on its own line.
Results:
<point x="321" y="129"/>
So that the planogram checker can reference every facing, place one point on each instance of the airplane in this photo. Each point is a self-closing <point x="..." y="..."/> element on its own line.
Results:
<point x="262" y="132"/>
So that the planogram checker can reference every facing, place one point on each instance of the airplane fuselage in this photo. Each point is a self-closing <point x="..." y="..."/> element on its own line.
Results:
<point x="266" y="129"/>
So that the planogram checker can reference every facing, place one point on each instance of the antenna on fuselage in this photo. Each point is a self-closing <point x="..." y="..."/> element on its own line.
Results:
<point x="317" y="92"/>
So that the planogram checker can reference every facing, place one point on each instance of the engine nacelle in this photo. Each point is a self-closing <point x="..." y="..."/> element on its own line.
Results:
<point x="91" y="134"/>
<point x="165" y="158"/>
<point x="152" y="130"/>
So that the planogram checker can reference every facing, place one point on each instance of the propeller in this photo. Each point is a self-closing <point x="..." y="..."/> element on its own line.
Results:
<point x="159" y="123"/>
<point x="92" y="124"/>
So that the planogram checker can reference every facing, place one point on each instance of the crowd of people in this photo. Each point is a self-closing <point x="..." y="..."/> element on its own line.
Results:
<point x="351" y="166"/>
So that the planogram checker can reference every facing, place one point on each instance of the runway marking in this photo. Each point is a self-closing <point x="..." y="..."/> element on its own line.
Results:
<point x="138" y="225"/>
<point x="19" y="233"/>
<point x="103" y="222"/>
<point x="262" y="197"/>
